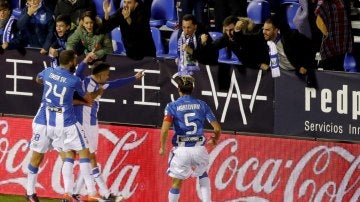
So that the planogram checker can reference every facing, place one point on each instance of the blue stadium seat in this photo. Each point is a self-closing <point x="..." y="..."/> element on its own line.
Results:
<point x="100" y="10"/>
<point x="223" y="55"/>
<point x="350" y="63"/>
<point x="161" y="12"/>
<point x="117" y="43"/>
<point x="289" y="1"/>
<point x="258" y="11"/>
<point x="173" y="46"/>
<point x="156" y="35"/>
<point x="16" y="4"/>
<point x="291" y="9"/>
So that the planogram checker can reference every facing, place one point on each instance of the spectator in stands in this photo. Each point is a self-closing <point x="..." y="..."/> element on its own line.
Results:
<point x="11" y="36"/>
<point x="74" y="8"/>
<point x="194" y="46"/>
<point x="4" y="16"/>
<point x="243" y="38"/>
<point x="225" y="8"/>
<point x="37" y="21"/>
<point x="294" y="49"/>
<point x="336" y="28"/>
<point x="85" y="34"/>
<point x="195" y="7"/>
<point x="133" y="19"/>
<point x="63" y="31"/>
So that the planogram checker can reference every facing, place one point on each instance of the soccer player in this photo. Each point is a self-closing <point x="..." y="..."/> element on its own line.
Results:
<point x="189" y="156"/>
<point x="55" y="125"/>
<point x="87" y="117"/>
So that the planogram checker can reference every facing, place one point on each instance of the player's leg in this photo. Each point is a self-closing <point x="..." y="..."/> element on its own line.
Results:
<point x="85" y="169"/>
<point x="67" y="172"/>
<point x="205" y="188"/>
<point x="201" y="157"/>
<point x="33" y="168"/>
<point x="179" y="169"/>
<point x="76" y="141"/>
<point x="174" y="192"/>
<point x="39" y="145"/>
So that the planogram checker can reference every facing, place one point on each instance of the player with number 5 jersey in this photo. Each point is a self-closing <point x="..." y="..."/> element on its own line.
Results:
<point x="188" y="157"/>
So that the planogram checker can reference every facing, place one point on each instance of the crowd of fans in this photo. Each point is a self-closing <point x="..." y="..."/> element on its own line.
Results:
<point x="322" y="26"/>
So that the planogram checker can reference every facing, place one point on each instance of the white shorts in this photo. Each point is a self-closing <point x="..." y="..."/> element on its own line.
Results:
<point x="40" y="142"/>
<point x="69" y="138"/>
<point x="188" y="161"/>
<point x="92" y="135"/>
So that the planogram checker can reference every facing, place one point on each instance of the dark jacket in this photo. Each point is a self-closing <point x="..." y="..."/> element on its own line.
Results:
<point x="298" y="49"/>
<point x="205" y="54"/>
<point x="137" y="36"/>
<point x="250" y="49"/>
<point x="39" y="27"/>
<point x="64" y="7"/>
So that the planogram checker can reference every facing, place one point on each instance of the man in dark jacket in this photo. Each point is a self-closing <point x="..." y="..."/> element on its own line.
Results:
<point x="294" y="49"/>
<point x="242" y="37"/>
<point x="74" y="8"/>
<point x="194" y="46"/>
<point x="37" y="22"/>
<point x="133" y="19"/>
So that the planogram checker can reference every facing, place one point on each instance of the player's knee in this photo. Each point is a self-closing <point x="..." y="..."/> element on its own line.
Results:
<point x="36" y="158"/>
<point x="176" y="183"/>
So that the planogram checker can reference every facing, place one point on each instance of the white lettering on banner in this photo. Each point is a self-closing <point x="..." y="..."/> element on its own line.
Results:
<point x="342" y="102"/>
<point x="254" y="176"/>
<point x="17" y="77"/>
<point x="106" y="99"/>
<point x="267" y="178"/>
<point x="229" y="95"/>
<point x="143" y="87"/>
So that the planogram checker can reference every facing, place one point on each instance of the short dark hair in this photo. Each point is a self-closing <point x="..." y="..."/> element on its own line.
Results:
<point x="4" y="5"/>
<point x="189" y="17"/>
<point x="185" y="84"/>
<point x="230" y="20"/>
<point x="90" y="14"/>
<point x="66" y="56"/>
<point x="99" y="66"/>
<point x="63" y="18"/>
<point x="274" y="20"/>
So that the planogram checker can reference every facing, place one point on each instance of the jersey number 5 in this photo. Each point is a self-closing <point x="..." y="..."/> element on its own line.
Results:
<point x="190" y="124"/>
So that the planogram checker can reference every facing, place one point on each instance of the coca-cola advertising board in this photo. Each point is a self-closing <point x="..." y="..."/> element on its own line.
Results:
<point x="242" y="167"/>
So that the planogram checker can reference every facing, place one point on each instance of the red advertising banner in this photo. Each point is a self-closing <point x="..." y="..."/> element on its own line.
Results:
<point x="243" y="168"/>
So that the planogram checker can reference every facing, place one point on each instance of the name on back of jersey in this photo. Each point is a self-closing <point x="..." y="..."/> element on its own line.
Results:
<point x="57" y="78"/>
<point x="188" y="107"/>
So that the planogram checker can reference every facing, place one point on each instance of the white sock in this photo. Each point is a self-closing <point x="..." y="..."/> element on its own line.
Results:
<point x="205" y="188"/>
<point x="31" y="179"/>
<point x="78" y="183"/>
<point x="174" y="195"/>
<point x="68" y="175"/>
<point x="104" y="190"/>
<point x="85" y="170"/>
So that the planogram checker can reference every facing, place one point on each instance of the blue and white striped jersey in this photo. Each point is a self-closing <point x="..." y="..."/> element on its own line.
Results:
<point x="57" y="100"/>
<point x="188" y="115"/>
<point x="88" y="115"/>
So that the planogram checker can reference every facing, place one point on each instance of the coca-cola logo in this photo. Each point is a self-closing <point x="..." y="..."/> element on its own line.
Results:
<point x="242" y="168"/>
<point x="267" y="176"/>
<point x="20" y="154"/>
